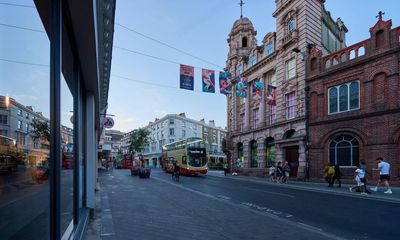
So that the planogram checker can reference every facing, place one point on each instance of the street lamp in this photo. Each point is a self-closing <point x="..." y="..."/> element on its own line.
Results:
<point x="307" y="114"/>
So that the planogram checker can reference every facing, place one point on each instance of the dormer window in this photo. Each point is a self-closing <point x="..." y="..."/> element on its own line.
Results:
<point x="244" y="42"/>
<point x="270" y="48"/>
<point x="291" y="25"/>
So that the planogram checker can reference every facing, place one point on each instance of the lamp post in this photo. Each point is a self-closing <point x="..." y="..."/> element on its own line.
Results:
<point x="304" y="56"/>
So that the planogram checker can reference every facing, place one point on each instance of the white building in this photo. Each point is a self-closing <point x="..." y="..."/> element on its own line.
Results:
<point x="175" y="127"/>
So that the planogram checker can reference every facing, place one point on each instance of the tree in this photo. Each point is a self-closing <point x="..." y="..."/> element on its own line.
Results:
<point x="41" y="131"/>
<point x="138" y="139"/>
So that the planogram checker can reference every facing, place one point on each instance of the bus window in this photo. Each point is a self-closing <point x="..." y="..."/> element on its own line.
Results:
<point x="184" y="160"/>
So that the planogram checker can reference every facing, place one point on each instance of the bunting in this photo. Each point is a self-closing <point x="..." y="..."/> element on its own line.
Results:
<point x="225" y="82"/>
<point x="241" y="87"/>
<point x="208" y="77"/>
<point x="257" y="90"/>
<point x="186" y="77"/>
<point x="271" y="95"/>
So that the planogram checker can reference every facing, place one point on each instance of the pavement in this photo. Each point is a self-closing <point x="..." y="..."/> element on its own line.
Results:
<point x="236" y="207"/>
<point x="318" y="187"/>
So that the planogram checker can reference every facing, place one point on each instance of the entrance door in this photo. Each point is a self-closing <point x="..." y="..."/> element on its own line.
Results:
<point x="292" y="157"/>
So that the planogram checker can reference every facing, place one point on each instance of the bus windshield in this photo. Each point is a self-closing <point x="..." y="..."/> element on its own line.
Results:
<point x="197" y="156"/>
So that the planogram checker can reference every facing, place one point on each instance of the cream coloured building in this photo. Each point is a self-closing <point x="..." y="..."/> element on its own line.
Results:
<point x="260" y="134"/>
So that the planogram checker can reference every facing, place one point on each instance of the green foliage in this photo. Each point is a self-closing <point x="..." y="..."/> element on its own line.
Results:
<point x="138" y="139"/>
<point x="41" y="130"/>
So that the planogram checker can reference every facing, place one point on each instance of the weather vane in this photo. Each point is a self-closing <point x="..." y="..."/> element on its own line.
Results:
<point x="241" y="8"/>
<point x="380" y="14"/>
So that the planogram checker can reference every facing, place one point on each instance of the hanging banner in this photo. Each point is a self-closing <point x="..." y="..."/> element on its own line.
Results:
<point x="208" y="77"/>
<point x="257" y="90"/>
<point x="186" y="77"/>
<point x="225" y="82"/>
<point x="241" y="87"/>
<point x="271" y="95"/>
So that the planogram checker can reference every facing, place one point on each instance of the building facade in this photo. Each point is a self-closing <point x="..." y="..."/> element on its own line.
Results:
<point x="112" y="147"/>
<point x="355" y="105"/>
<point x="266" y="129"/>
<point x="175" y="127"/>
<point x="53" y="196"/>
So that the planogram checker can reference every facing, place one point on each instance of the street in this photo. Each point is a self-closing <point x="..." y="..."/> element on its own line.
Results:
<point x="214" y="207"/>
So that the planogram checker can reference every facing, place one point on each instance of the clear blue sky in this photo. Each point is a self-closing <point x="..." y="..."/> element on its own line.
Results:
<point x="198" y="27"/>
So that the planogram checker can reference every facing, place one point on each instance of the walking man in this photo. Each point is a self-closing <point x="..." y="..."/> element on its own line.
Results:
<point x="384" y="170"/>
<point x="225" y="168"/>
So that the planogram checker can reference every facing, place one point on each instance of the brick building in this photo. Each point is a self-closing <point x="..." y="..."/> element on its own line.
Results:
<point x="355" y="104"/>
<point x="262" y="134"/>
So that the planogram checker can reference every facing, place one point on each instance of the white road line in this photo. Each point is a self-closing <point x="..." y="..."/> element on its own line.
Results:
<point x="264" y="213"/>
<point x="280" y="194"/>
<point x="309" y="226"/>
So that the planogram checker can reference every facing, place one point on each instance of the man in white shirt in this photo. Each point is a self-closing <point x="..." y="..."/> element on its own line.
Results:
<point x="384" y="175"/>
<point x="360" y="180"/>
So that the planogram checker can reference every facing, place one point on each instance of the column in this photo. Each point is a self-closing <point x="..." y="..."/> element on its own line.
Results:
<point x="301" y="171"/>
<point x="261" y="153"/>
<point x="262" y="104"/>
<point x="246" y="154"/>
<point x="91" y="151"/>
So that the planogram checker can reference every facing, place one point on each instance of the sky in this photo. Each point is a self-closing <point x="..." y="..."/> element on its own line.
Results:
<point x="151" y="89"/>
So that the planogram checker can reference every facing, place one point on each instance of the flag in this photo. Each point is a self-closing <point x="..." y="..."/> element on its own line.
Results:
<point x="186" y="77"/>
<point x="271" y="95"/>
<point x="208" y="77"/>
<point x="241" y="87"/>
<point x="225" y="82"/>
<point x="257" y="90"/>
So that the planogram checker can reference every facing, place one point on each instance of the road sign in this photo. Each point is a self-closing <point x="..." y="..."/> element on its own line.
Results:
<point x="108" y="122"/>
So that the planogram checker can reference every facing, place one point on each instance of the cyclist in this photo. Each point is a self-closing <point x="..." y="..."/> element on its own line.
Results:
<point x="177" y="169"/>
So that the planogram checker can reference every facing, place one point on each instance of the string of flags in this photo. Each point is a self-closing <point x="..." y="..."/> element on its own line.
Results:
<point x="226" y="84"/>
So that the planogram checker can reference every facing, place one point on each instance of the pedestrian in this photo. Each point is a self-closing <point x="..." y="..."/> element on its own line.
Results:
<point x="384" y="175"/>
<point x="286" y="172"/>
<point x="359" y="177"/>
<point x="272" y="171"/>
<point x="329" y="173"/>
<point x="363" y="165"/>
<point x="279" y="172"/>
<point x="337" y="176"/>
<point x="225" y="168"/>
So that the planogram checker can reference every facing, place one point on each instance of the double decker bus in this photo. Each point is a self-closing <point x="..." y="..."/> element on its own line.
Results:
<point x="127" y="161"/>
<point x="189" y="153"/>
<point x="8" y="154"/>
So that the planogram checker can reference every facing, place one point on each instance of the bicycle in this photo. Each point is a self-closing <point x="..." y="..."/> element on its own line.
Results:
<point x="175" y="176"/>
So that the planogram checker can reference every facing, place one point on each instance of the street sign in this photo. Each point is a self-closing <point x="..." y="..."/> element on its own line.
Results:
<point x="72" y="119"/>
<point x="108" y="122"/>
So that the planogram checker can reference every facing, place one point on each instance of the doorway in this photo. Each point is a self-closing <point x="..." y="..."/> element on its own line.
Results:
<point x="292" y="157"/>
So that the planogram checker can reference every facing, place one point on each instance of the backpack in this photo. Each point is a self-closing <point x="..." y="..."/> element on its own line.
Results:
<point x="331" y="171"/>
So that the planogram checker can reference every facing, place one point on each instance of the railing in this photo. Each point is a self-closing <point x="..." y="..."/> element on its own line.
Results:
<point x="344" y="55"/>
<point x="289" y="37"/>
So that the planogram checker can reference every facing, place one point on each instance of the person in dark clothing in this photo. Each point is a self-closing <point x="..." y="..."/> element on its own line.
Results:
<point x="176" y="173"/>
<point x="337" y="176"/>
<point x="279" y="172"/>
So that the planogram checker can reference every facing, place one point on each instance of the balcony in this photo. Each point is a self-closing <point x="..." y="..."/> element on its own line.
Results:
<point x="346" y="54"/>
<point x="290" y="38"/>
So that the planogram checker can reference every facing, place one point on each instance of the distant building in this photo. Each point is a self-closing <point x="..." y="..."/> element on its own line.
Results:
<point x="175" y="127"/>
<point x="354" y="103"/>
<point x="16" y="122"/>
<point x="271" y="128"/>
<point x="112" y="143"/>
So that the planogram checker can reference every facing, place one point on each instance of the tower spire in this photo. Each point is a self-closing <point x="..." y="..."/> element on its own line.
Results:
<point x="241" y="8"/>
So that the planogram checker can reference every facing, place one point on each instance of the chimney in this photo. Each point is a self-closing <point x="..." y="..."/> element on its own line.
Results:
<point x="182" y="114"/>
<point x="211" y="123"/>
<point x="202" y="120"/>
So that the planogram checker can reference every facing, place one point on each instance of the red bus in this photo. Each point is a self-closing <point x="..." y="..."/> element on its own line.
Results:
<point x="127" y="161"/>
<point x="67" y="160"/>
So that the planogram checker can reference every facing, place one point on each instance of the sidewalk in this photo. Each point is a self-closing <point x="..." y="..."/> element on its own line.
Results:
<point x="317" y="187"/>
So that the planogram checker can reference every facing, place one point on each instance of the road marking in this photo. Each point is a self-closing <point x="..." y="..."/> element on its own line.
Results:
<point x="223" y="197"/>
<point x="107" y="234"/>
<point x="263" y="213"/>
<point x="310" y="226"/>
<point x="280" y="194"/>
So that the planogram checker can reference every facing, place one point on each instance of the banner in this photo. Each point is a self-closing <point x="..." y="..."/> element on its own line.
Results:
<point x="271" y="95"/>
<point x="241" y="87"/>
<point x="225" y="82"/>
<point x="186" y="77"/>
<point x="208" y="77"/>
<point x="257" y="90"/>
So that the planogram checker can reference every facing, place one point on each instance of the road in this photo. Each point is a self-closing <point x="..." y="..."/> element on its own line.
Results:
<point x="209" y="207"/>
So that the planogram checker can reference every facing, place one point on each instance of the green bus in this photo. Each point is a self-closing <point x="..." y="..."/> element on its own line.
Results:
<point x="189" y="153"/>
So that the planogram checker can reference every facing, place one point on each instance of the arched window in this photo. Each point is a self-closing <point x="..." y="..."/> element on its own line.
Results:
<point x="270" y="152"/>
<point x="313" y="64"/>
<point x="343" y="58"/>
<point x="253" y="154"/>
<point x="239" y="160"/>
<point x="291" y="25"/>
<point x="344" y="150"/>
<point x="244" y="42"/>
<point x="335" y="61"/>
<point x="354" y="95"/>
<point x="380" y="39"/>
<point x="343" y="98"/>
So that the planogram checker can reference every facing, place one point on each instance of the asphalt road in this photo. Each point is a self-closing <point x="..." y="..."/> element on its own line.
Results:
<point x="234" y="209"/>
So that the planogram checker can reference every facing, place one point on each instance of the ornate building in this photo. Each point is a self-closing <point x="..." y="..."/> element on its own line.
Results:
<point x="260" y="134"/>
<point x="354" y="103"/>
